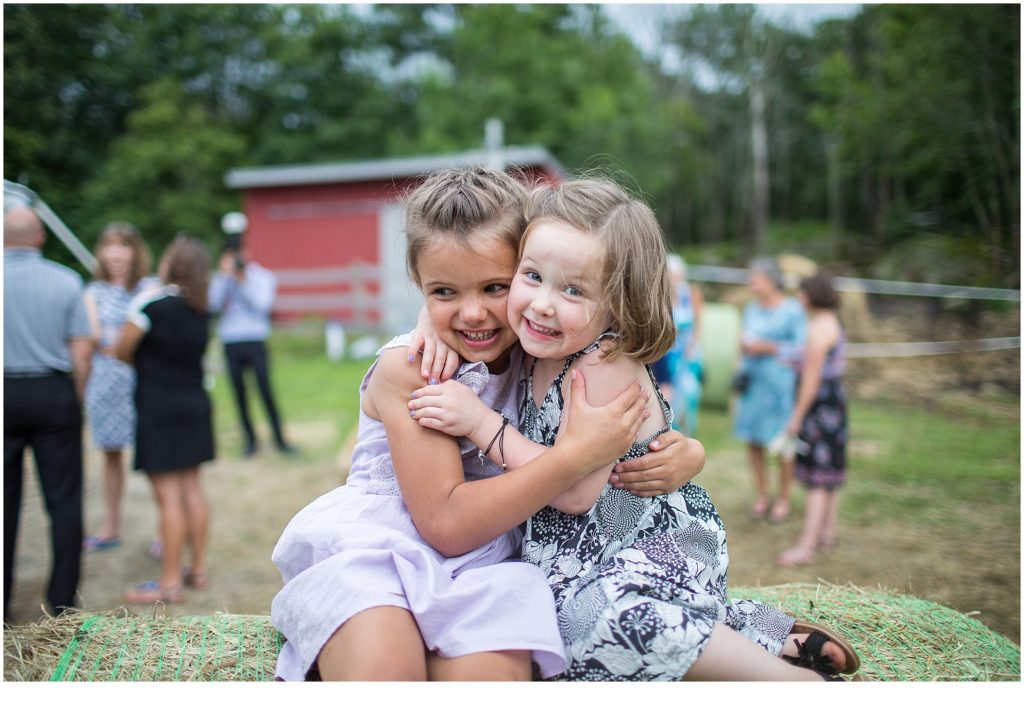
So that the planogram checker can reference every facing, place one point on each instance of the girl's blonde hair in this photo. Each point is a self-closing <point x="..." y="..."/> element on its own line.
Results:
<point x="457" y="205"/>
<point x="124" y="233"/>
<point x="637" y="290"/>
<point x="186" y="263"/>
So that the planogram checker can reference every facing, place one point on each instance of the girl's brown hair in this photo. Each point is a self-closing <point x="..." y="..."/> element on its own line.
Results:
<point x="457" y="205"/>
<point x="820" y="291"/>
<point x="186" y="263"/>
<point x="637" y="287"/>
<point x="124" y="233"/>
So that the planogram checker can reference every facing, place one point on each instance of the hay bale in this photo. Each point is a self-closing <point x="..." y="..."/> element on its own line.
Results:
<point x="122" y="646"/>
<point x="898" y="638"/>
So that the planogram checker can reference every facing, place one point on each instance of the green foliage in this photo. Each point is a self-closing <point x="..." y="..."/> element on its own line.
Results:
<point x="166" y="173"/>
<point x="924" y="101"/>
<point x="901" y="120"/>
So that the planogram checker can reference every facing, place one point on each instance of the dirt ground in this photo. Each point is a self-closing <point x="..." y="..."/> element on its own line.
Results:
<point x="252" y="501"/>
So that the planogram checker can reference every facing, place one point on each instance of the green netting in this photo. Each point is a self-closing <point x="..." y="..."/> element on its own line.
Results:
<point x="898" y="638"/>
<point x="118" y="646"/>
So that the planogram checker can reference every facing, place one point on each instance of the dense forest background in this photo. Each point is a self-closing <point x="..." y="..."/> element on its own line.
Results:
<point x="888" y="140"/>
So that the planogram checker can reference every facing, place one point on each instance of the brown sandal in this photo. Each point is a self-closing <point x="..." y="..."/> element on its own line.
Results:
<point x="810" y="653"/>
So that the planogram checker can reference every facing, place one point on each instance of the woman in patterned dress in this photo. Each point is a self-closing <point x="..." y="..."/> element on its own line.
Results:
<point x="818" y="420"/>
<point x="773" y="332"/>
<point x="122" y="267"/>
<point x="639" y="582"/>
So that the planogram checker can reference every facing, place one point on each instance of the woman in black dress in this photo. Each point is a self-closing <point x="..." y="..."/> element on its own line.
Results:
<point x="165" y="337"/>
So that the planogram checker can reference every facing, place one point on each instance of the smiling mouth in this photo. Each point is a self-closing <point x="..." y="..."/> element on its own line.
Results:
<point x="542" y="330"/>
<point x="479" y="336"/>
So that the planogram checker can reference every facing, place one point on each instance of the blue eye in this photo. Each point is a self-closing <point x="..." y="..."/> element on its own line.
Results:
<point x="573" y="291"/>
<point x="531" y="275"/>
<point x="442" y="292"/>
<point x="495" y="289"/>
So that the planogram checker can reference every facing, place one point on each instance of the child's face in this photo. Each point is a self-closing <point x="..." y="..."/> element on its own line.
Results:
<point x="554" y="304"/>
<point x="467" y="296"/>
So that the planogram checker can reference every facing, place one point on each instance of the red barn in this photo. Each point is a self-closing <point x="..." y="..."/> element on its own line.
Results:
<point x="332" y="232"/>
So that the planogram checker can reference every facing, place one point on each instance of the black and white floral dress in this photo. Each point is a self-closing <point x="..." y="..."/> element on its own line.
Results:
<point x="639" y="582"/>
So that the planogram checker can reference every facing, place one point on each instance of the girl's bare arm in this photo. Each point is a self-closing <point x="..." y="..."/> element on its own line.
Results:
<point x="455" y="516"/>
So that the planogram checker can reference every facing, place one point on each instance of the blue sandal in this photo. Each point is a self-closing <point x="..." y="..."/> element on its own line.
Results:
<point x="151" y="592"/>
<point x="94" y="542"/>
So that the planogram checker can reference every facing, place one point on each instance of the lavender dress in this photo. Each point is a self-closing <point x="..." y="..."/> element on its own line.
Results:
<point x="356" y="547"/>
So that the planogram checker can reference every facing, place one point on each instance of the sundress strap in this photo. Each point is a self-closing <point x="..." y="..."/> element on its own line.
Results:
<point x="580" y="353"/>
<point x="666" y="409"/>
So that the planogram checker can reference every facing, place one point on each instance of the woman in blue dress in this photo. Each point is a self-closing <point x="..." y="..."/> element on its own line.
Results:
<point x="121" y="273"/>
<point x="774" y="327"/>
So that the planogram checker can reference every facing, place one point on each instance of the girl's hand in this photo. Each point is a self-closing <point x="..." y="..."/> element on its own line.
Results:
<point x="793" y="426"/>
<point x="759" y="348"/>
<point x="673" y="461"/>
<point x="439" y="362"/>
<point x="600" y="435"/>
<point x="451" y="408"/>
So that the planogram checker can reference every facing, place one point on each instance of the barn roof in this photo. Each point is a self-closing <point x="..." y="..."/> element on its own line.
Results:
<point x="387" y="168"/>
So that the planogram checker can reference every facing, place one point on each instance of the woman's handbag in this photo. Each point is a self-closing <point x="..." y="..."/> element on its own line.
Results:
<point x="740" y="381"/>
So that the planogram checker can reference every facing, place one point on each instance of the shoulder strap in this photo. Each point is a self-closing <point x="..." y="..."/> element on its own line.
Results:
<point x="589" y="349"/>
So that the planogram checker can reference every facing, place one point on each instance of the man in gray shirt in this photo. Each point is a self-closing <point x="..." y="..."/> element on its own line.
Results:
<point x="47" y="352"/>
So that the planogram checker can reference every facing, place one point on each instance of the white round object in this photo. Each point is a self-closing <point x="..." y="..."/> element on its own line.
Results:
<point x="234" y="223"/>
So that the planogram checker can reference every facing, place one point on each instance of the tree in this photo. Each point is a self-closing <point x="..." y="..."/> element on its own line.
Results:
<point x="741" y="50"/>
<point x="166" y="173"/>
<point x="924" y="103"/>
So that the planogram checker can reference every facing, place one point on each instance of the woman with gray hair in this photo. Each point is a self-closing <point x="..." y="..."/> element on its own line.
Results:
<point x="774" y="327"/>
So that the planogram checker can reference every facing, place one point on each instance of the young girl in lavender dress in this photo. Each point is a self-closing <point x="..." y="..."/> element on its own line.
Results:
<point x="405" y="571"/>
<point x="639" y="583"/>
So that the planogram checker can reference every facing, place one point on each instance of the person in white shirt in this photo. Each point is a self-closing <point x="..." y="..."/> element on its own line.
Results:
<point x="242" y="292"/>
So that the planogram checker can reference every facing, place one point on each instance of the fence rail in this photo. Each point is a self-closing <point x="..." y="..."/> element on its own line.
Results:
<point x="917" y="348"/>
<point x="738" y="276"/>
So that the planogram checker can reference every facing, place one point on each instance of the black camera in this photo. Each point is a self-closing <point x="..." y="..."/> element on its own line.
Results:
<point x="239" y="262"/>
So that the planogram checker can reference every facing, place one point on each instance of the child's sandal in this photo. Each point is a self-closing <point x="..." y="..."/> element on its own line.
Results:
<point x="196" y="580"/>
<point x="151" y="592"/>
<point x="810" y="652"/>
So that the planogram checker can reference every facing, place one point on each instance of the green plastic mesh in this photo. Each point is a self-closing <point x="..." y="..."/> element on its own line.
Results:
<point x="898" y="638"/>
<point x="112" y="647"/>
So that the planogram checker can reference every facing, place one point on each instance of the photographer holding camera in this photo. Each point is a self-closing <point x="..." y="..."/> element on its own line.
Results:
<point x="242" y="292"/>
